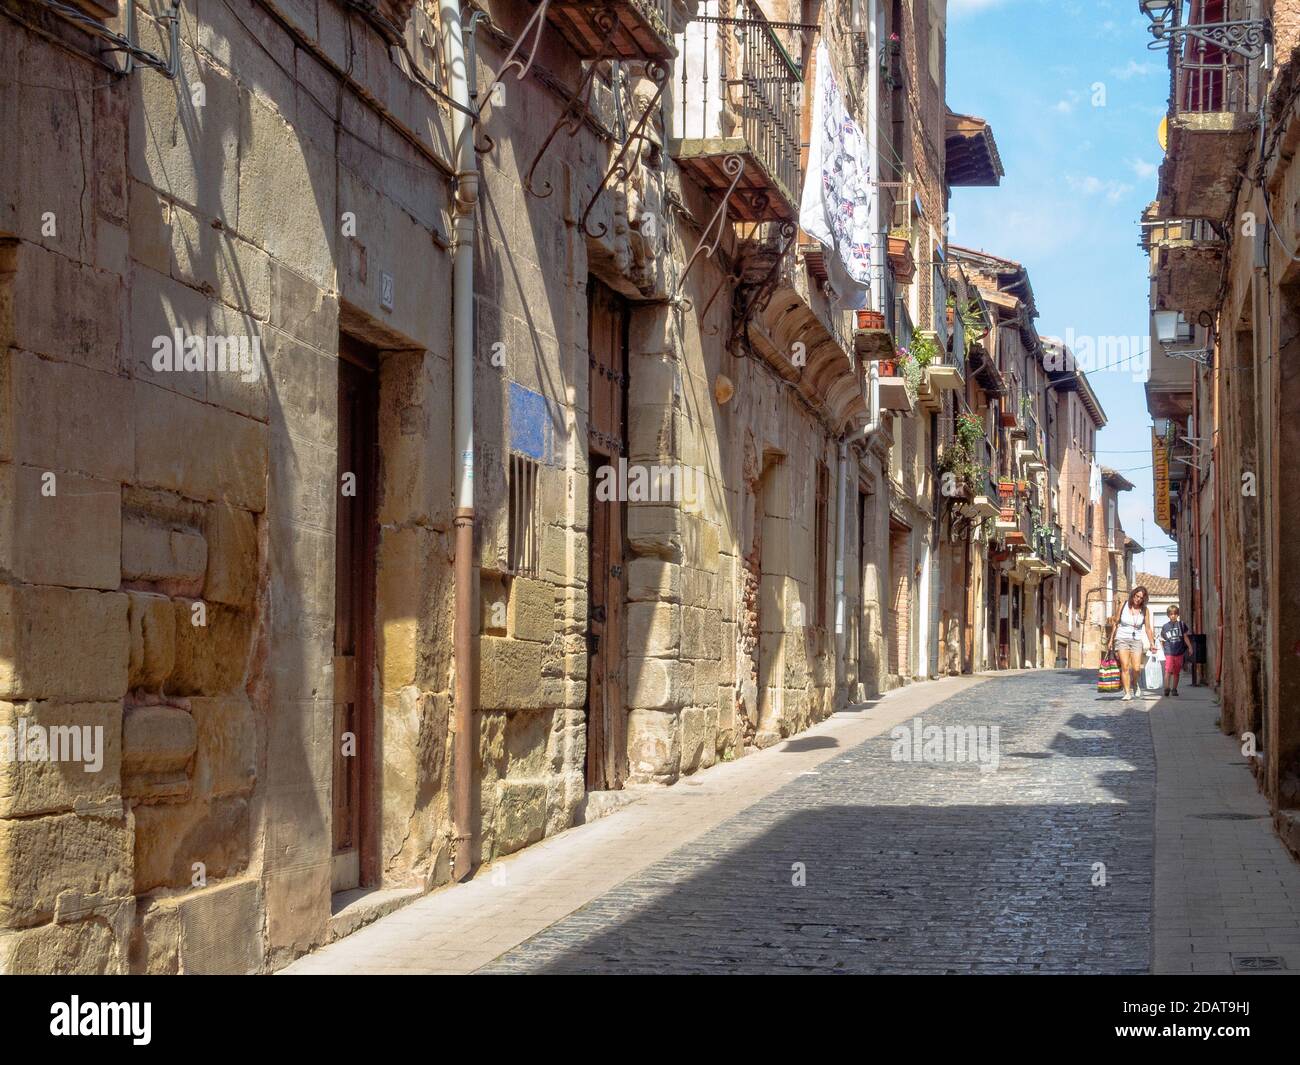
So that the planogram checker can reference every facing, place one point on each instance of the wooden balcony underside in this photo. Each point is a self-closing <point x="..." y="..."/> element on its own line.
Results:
<point x="759" y="196"/>
<point x="1199" y="176"/>
<point x="639" y="34"/>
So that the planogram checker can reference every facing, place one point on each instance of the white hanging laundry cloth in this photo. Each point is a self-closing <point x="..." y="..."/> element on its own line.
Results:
<point x="1094" y="484"/>
<point x="835" y="208"/>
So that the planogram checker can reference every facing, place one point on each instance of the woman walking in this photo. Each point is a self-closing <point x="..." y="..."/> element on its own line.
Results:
<point x="1173" y="634"/>
<point x="1131" y="621"/>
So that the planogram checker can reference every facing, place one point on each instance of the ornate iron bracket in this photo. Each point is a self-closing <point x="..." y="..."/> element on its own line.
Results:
<point x="711" y="237"/>
<point x="534" y="25"/>
<point x="762" y="294"/>
<point x="573" y="116"/>
<point x="1248" y="37"/>
<point x="657" y="71"/>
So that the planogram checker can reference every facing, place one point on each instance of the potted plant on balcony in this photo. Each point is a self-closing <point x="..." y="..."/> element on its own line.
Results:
<point x="924" y="349"/>
<point x="901" y="260"/>
<point x="871" y="319"/>
<point x="969" y="431"/>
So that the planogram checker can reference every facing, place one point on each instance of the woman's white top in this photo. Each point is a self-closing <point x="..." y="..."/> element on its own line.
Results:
<point x="1132" y="624"/>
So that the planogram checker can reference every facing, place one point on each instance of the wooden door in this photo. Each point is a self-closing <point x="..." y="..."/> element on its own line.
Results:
<point x="607" y="444"/>
<point x="354" y="598"/>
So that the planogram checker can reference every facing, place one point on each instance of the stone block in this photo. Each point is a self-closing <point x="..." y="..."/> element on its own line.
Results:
<point x="86" y="776"/>
<point x="658" y="683"/>
<point x="152" y="621"/>
<point x="654" y="580"/>
<point x="653" y="529"/>
<point x="397" y="605"/>
<point x="71" y="537"/>
<point x="71" y="418"/>
<point x="62" y="643"/>
<point x="654" y="629"/>
<point x="170" y="840"/>
<point x="151" y="227"/>
<point x="201" y="451"/>
<point x="520" y="815"/>
<point x="192" y="168"/>
<point x="43" y="858"/>
<point x="211" y="659"/>
<point x="695" y="738"/>
<point x="76" y="948"/>
<point x="531" y="610"/>
<point x="654" y="744"/>
<point x="158" y="745"/>
<point x="61" y="308"/>
<point x="510" y="674"/>
<point x="212" y="931"/>
<point x="272" y="155"/>
<point x="226" y="752"/>
<point x="297" y="910"/>
<point x="701" y="634"/>
<point x="232" y="555"/>
<point x="152" y="552"/>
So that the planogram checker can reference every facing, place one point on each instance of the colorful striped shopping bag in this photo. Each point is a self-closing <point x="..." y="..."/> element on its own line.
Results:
<point x="1108" y="675"/>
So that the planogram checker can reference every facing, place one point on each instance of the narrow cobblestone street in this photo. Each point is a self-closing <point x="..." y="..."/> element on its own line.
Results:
<point x="907" y="867"/>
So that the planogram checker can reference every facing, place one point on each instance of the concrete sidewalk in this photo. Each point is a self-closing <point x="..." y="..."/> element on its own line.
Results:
<point x="1227" y="893"/>
<point x="463" y="927"/>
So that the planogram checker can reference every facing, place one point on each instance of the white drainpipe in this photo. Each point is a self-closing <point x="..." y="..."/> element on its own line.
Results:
<point x="463" y="87"/>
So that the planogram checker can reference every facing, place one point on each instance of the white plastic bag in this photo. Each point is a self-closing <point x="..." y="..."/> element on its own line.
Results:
<point x="1154" y="674"/>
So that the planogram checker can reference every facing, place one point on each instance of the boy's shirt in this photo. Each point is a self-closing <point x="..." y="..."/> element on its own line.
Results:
<point x="1171" y="635"/>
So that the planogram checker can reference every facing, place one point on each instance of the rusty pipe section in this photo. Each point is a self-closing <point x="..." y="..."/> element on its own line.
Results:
<point x="458" y="42"/>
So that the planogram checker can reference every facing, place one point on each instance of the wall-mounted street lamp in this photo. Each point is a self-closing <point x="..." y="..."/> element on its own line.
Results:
<point x="1245" y="37"/>
<point x="1167" y="334"/>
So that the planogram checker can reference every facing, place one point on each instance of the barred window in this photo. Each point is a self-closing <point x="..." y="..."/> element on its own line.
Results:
<point x="523" y="532"/>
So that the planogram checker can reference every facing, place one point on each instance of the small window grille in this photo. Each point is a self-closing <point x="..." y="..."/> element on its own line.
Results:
<point x="821" y="534"/>
<point x="523" y="516"/>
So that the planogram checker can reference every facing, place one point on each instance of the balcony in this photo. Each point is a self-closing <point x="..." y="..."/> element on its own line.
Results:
<point x="624" y="30"/>
<point x="1186" y="264"/>
<point x="738" y="95"/>
<point x="1215" y="97"/>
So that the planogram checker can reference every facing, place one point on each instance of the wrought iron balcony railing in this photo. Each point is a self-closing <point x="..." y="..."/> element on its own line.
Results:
<point x="738" y="95"/>
<point x="1210" y="80"/>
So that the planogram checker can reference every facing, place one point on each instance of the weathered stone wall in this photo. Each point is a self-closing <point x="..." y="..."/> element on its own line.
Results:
<point x="168" y="534"/>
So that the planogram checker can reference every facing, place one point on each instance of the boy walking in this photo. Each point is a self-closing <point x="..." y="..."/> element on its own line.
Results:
<point x="1173" y="635"/>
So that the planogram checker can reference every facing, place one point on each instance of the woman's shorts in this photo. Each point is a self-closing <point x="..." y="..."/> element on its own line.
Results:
<point x="1135" y="646"/>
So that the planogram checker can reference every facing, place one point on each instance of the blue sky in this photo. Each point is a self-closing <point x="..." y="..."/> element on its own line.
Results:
<point x="1074" y="98"/>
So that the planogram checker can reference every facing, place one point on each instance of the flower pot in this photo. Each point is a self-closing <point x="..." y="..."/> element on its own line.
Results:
<point x="1006" y="489"/>
<point x="871" y="320"/>
<point x="900" y="259"/>
<point x="1022" y="486"/>
<point x="888" y="368"/>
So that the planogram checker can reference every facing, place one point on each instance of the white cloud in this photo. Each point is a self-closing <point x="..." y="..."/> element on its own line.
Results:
<point x="1133" y="69"/>
<point x="958" y="8"/>
<point x="1109" y="189"/>
<point x="1142" y="168"/>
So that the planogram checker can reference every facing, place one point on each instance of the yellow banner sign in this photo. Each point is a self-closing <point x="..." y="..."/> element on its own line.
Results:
<point x="1160" y="475"/>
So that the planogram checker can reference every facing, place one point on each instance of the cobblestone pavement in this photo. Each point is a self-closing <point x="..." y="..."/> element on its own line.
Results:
<point x="911" y="867"/>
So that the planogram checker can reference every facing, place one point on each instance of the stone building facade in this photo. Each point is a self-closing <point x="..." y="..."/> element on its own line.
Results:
<point x="1224" y="393"/>
<point x="237" y="327"/>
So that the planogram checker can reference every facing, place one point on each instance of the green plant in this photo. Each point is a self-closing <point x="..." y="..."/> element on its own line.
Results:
<point x="972" y="321"/>
<point x="970" y="430"/>
<point x="925" y="349"/>
<point x="911" y="370"/>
